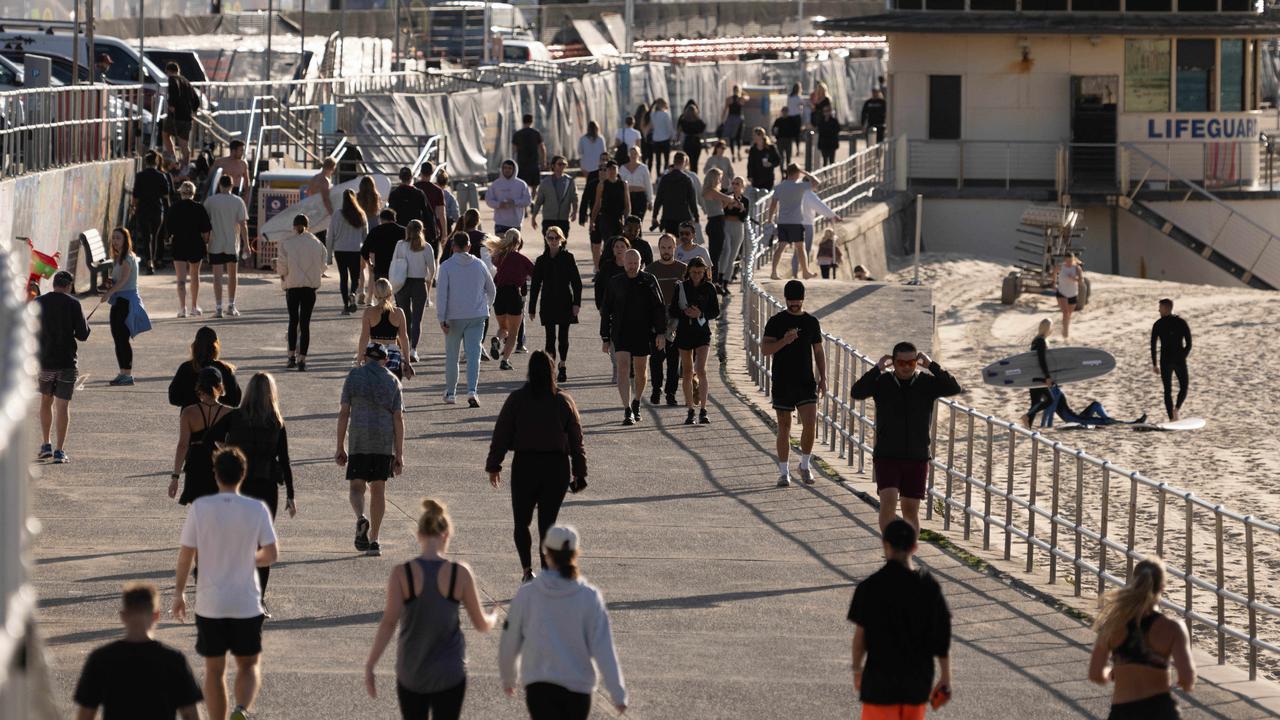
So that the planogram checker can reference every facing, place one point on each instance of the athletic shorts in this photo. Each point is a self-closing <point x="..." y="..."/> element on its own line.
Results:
<point x="222" y="258"/>
<point x="1156" y="707"/>
<point x="508" y="301"/>
<point x="908" y="477"/>
<point x="180" y="129"/>
<point x="368" y="467"/>
<point x="215" y="637"/>
<point x="1073" y="300"/>
<point x="58" y="383"/>
<point x="795" y="395"/>
<point x="892" y="712"/>
<point x="790" y="233"/>
<point x="636" y="345"/>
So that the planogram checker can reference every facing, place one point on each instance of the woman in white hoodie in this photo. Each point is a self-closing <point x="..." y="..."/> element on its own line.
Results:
<point x="556" y="626"/>
<point x="300" y="260"/>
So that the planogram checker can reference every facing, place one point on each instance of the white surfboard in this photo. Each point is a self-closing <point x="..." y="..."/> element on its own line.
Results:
<point x="313" y="207"/>
<point x="1171" y="426"/>
<point x="1066" y="365"/>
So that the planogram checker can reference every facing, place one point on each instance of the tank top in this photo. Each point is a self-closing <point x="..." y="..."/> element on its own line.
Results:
<point x="198" y="465"/>
<point x="1134" y="650"/>
<point x="1067" y="280"/>
<point x="613" y="199"/>
<point x="384" y="330"/>
<point x="431" y="653"/>
<point x="735" y="105"/>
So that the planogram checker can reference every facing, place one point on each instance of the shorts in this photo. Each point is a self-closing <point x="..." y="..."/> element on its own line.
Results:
<point x="222" y="258"/>
<point x="395" y="358"/>
<point x="369" y="467"/>
<point x="532" y="179"/>
<point x="215" y="637"/>
<point x="908" y="477"/>
<point x="1073" y="300"/>
<point x="892" y="712"/>
<point x="633" y="345"/>
<point x="508" y="301"/>
<point x="1156" y="707"/>
<point x="58" y="383"/>
<point x="790" y="233"/>
<point x="188" y="251"/>
<point x="789" y="397"/>
<point x="180" y="129"/>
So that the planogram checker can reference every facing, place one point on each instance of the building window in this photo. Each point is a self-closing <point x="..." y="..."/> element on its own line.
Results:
<point x="1148" y="5"/>
<point x="910" y="4"/>
<point x="1197" y="5"/>
<point x="1146" y="76"/>
<point x="1008" y="5"/>
<point x="1095" y="5"/>
<point x="1195" y="75"/>
<point x="944" y="107"/>
<point x="1231" y="96"/>
<point x="1237" y="6"/>
<point x="1044" y="5"/>
<point x="944" y="4"/>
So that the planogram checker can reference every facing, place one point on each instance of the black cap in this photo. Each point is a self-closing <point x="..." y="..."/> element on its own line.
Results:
<point x="900" y="535"/>
<point x="793" y="290"/>
<point x="375" y="350"/>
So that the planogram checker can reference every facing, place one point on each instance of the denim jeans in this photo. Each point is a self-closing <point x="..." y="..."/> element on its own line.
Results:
<point x="469" y="331"/>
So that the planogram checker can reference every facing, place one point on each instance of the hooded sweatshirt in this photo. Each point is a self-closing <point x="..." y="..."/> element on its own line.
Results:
<point x="464" y="288"/>
<point x="508" y="189"/>
<point x="556" y="627"/>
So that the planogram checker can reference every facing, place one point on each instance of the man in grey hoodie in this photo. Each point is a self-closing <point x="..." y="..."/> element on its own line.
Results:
<point x="464" y="292"/>
<point x="509" y="197"/>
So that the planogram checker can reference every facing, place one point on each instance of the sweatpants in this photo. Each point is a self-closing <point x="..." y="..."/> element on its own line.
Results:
<point x="547" y="701"/>
<point x="538" y="479"/>
<point x="300" y="301"/>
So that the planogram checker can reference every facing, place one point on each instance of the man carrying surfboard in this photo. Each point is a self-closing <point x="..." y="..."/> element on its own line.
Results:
<point x="1174" y="336"/>
<point x="904" y="398"/>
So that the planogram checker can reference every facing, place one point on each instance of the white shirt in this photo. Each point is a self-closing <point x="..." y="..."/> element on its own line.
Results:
<point x="684" y="256"/>
<point x="226" y="531"/>
<point x="589" y="152"/>
<point x="628" y="136"/>
<point x="421" y="264"/>
<point x="637" y="180"/>
<point x="812" y="206"/>
<point x="661" y="126"/>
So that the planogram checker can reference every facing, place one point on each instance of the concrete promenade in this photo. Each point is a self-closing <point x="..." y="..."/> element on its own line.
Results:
<point x="728" y="596"/>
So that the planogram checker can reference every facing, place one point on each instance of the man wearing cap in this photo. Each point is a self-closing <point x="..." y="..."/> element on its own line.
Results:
<point x="370" y="441"/>
<point x="101" y="67"/>
<point x="793" y="338"/>
<point x="62" y="323"/>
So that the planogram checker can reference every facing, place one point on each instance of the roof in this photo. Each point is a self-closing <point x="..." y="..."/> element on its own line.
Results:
<point x="1059" y="23"/>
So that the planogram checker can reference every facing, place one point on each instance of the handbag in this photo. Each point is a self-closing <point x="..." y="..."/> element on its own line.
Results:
<point x="399" y="270"/>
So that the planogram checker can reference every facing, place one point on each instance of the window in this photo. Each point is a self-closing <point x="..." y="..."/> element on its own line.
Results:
<point x="1197" y="5"/>
<point x="7" y="77"/>
<point x="1095" y="5"/>
<point x="124" y="67"/>
<point x="1044" y="5"/>
<point x="944" y="4"/>
<point x="1231" y="96"/>
<point x="993" y="5"/>
<point x="1237" y="6"/>
<point x="1146" y="76"/>
<point x="944" y="107"/>
<point x="1195" y="75"/>
<point x="1148" y="5"/>
<point x="910" y="4"/>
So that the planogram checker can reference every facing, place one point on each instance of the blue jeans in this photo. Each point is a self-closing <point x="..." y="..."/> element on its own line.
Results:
<point x="469" y="331"/>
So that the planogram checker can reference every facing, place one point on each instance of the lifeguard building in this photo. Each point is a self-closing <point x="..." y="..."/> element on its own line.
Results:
<point x="1145" y="117"/>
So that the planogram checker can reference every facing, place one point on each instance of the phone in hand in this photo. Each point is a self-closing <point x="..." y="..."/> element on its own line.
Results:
<point x="941" y="696"/>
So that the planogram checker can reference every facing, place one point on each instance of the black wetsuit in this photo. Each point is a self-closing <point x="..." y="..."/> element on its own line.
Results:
<point x="1174" y="336"/>
<point x="1041" y="398"/>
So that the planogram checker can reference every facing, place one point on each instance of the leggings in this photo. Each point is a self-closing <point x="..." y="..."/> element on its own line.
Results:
<point x="1168" y="368"/>
<point x="301" y="301"/>
<point x="348" y="274"/>
<point x="412" y="298"/>
<point x="828" y="155"/>
<point x="537" y="479"/>
<point x="828" y="271"/>
<point x="661" y="155"/>
<point x="715" y="243"/>
<point x="442" y="705"/>
<point x="120" y="333"/>
<point x="693" y="148"/>
<point x="1156" y="707"/>
<point x="559" y="331"/>
<point x="554" y="702"/>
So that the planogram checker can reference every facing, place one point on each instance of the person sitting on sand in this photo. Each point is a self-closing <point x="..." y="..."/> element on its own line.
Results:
<point x="1094" y="414"/>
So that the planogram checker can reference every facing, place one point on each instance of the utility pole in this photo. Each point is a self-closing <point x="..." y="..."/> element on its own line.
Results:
<point x="75" y="44"/>
<point x="270" y="26"/>
<point x="629" y="19"/>
<point x="804" y="70"/>
<point x="142" y="41"/>
<point x="302" y="42"/>
<point x="395" y="34"/>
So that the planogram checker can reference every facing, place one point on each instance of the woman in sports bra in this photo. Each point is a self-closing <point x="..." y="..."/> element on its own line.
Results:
<point x="1137" y="644"/>
<point x="1067" y="280"/>
<point x="200" y="426"/>
<point x="423" y="596"/>
<point x="385" y="324"/>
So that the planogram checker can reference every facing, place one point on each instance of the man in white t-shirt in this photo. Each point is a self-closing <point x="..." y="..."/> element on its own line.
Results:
<point x="628" y="135"/>
<point x="230" y="221"/>
<point x="233" y="536"/>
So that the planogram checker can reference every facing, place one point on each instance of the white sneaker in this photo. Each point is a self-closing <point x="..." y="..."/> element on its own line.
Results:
<point x="450" y="400"/>
<point x="233" y="311"/>
<point x="217" y="313"/>
<point x="413" y="356"/>
<point x="182" y="312"/>
<point x="196" y="311"/>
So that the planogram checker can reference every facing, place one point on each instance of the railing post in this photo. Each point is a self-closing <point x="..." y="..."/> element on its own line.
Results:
<point x="1133" y="524"/>
<point x="1031" y="499"/>
<point x="968" y="476"/>
<point x="1106" y="514"/>
<point x="986" y="489"/>
<point x="951" y="463"/>
<point x="1188" y="565"/>
<point x="1251" y="592"/>
<point x="1221" y="578"/>
<point x="1008" y="497"/>
<point x="933" y="443"/>
<point x="1160" y="521"/>
<point x="1079" y="518"/>
<point x="1053" y="515"/>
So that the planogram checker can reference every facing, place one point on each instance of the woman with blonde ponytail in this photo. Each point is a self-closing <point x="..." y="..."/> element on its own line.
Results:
<point x="1136" y="644"/>
<point x="423" y="597"/>
<point x="385" y="324"/>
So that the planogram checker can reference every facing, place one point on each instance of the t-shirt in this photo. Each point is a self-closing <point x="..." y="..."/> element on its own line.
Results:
<point x="906" y="624"/>
<point x="182" y="98"/>
<point x="667" y="276"/>
<point x="150" y="189"/>
<point x="793" y="364"/>
<point x="187" y="221"/>
<point x="62" y="323"/>
<point x="435" y="199"/>
<point x="685" y="256"/>
<point x="527" y="141"/>
<point x="628" y="136"/>
<point x="374" y="396"/>
<point x="138" y="680"/>
<point x="226" y="530"/>
<point x="409" y="203"/>
<point x="226" y="212"/>
<point x="381" y="244"/>
<point x="789" y="195"/>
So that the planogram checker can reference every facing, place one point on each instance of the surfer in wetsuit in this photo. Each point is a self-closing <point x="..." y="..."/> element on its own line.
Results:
<point x="1093" y="414"/>
<point x="1041" y="398"/>
<point x="1174" y="336"/>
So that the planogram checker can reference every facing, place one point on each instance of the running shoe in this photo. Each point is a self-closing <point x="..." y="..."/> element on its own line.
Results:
<point x="302" y="366"/>
<point x="233" y="311"/>
<point x="362" y="534"/>
<point x="473" y="401"/>
<point x="217" y="313"/>
<point x="563" y="375"/>
<point x="784" y="481"/>
<point x="60" y="458"/>
<point x="450" y="399"/>
<point x="702" y="417"/>
<point x="293" y="363"/>
<point x="806" y="475"/>
<point x="182" y="312"/>
<point x="46" y="452"/>
<point x="495" y="350"/>
<point x="413" y="356"/>
<point x="655" y="397"/>
<point x="671" y="400"/>
<point x="196" y="311"/>
<point x="635" y="409"/>
<point x="239" y="713"/>
<point x="484" y="356"/>
<point x="375" y="550"/>
<point x="528" y="577"/>
<point x="626" y="417"/>
<point x="688" y="420"/>
<point x="121" y="380"/>
<point x="521" y="348"/>
<point x="504" y="365"/>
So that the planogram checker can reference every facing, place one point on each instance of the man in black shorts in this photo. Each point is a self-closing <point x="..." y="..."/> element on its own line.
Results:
<point x="62" y="323"/>
<point x="530" y="153"/>
<point x="793" y="338"/>
<point x="183" y="103"/>
<point x="1174" y="336"/>
<point x="631" y="315"/>
<point x="373" y="413"/>
<point x="904" y="398"/>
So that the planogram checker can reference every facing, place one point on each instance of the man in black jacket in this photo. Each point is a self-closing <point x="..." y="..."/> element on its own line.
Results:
<point x="904" y="400"/>
<point x="62" y="323"/>
<point x="677" y="195"/>
<point x="630" y="316"/>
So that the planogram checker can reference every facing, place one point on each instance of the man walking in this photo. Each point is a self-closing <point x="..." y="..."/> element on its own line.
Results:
<point x="873" y="115"/>
<point x="904" y="398"/>
<point x="529" y="152"/>
<point x="667" y="271"/>
<point x="435" y="221"/>
<point x="319" y="185"/>
<point x="380" y="245"/>
<point x="793" y="338"/>
<point x="234" y="167"/>
<point x="464" y="293"/>
<point x="632" y="318"/>
<point x="370" y="441"/>
<point x="677" y="195"/>
<point x="901" y="623"/>
<point x="62" y="323"/>
<point x="408" y="200"/>
<point x="786" y="210"/>
<point x="509" y="197"/>
<point x="631" y="229"/>
<point x="1174" y="335"/>
<point x="151" y="192"/>
<point x="688" y="248"/>
<point x="557" y="199"/>
<point x="233" y="537"/>
<point x="183" y="103"/>
<point x="230" y="221"/>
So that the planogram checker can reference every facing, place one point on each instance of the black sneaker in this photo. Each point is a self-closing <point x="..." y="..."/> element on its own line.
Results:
<point x="688" y="420"/>
<point x="293" y="363"/>
<point x="702" y="417"/>
<point x="563" y="375"/>
<point x="626" y="417"/>
<point x="671" y="400"/>
<point x="504" y="365"/>
<point x="635" y="409"/>
<point x="655" y="397"/>
<point x="362" y="534"/>
<point x="495" y="349"/>
<point x="375" y="550"/>
<point x="473" y="401"/>
<point x="528" y="577"/>
<point x="302" y="366"/>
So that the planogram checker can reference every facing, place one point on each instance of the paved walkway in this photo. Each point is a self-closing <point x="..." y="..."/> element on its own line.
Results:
<point x="728" y="596"/>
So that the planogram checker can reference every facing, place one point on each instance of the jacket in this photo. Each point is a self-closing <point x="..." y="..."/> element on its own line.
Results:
<point x="557" y="282"/>
<point x="556" y="627"/>
<point x="464" y="288"/>
<point x="706" y="299"/>
<point x="678" y="195"/>
<point x="551" y="203"/>
<point x="623" y="291"/>
<point x="300" y="261"/>
<point x="182" y="389"/>
<point x="529" y="422"/>
<point x="903" y="410"/>
<point x="513" y="190"/>
<point x="762" y="166"/>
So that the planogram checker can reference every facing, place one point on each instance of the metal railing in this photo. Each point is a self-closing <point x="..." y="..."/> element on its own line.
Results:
<point x="1080" y="519"/>
<point x="985" y="163"/>
<point x="45" y="128"/>
<point x="848" y="185"/>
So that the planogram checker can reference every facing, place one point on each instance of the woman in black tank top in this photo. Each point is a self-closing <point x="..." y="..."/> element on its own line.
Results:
<point x="385" y="324"/>
<point x="201" y="426"/>
<point x="612" y="204"/>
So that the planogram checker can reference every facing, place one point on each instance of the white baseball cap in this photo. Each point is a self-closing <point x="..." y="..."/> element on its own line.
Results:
<point x="561" y="537"/>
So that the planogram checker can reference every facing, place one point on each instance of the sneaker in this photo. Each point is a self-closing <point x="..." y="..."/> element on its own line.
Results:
<point x="46" y="452"/>
<point x="484" y="357"/>
<point x="671" y="400"/>
<point x="413" y="356"/>
<point x="626" y="417"/>
<point x="784" y="481"/>
<point x="196" y="311"/>
<point x="239" y="713"/>
<point x="450" y="399"/>
<point x="688" y="420"/>
<point x="233" y="311"/>
<point x="346" y="309"/>
<point x="360" y="298"/>
<point x="473" y="401"/>
<point x="362" y="534"/>
<point x="635" y="409"/>
<point x="702" y="417"/>
<point x="293" y="363"/>
<point x="121" y="380"/>
<point x="182" y="312"/>
<point x="521" y="349"/>
<point x="655" y="397"/>
<point x="528" y="577"/>
<point x="504" y="365"/>
<point x="375" y="550"/>
<point x="217" y="313"/>
<point x="806" y="474"/>
<point x="563" y="375"/>
<point x="302" y="366"/>
<point x="495" y="349"/>
<point x="60" y="458"/>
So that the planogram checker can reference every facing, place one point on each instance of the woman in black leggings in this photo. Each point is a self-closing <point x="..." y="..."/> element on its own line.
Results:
<point x="540" y="423"/>
<point x="557" y="282"/>
<point x="300" y="262"/>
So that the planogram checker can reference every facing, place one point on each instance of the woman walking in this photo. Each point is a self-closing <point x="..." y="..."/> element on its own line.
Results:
<point x="828" y="135"/>
<point x="714" y="203"/>
<point x="556" y="626"/>
<point x="187" y="226"/>
<point x="819" y="100"/>
<point x="646" y="136"/>
<point x="735" y="231"/>
<point x="763" y="161"/>
<point x="692" y="126"/>
<point x="639" y="183"/>
<point x="371" y="202"/>
<point x="206" y="351"/>
<point x="300" y="262"/>
<point x="590" y="147"/>
<point x="694" y="306"/>
<point x="719" y="160"/>
<point x="423" y="597"/>
<point x="420" y="262"/>
<point x="347" y="231"/>
<point x="662" y="130"/>
<point x="540" y="423"/>
<point x="511" y="279"/>
<point x="794" y="122"/>
<point x="558" y="284"/>
<point x="829" y="254"/>
<point x="1069" y="279"/>
<point x="731" y="120"/>
<point x="385" y="324"/>
<point x="611" y="204"/>
<point x="128" y="316"/>
<point x="1137" y="644"/>
<point x="1041" y="397"/>
<point x="199" y="427"/>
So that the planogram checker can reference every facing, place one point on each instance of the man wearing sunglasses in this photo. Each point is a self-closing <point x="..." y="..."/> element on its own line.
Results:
<point x="793" y="338"/>
<point x="904" y="398"/>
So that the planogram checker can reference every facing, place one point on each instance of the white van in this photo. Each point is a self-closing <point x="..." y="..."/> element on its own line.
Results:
<point x="57" y="39"/>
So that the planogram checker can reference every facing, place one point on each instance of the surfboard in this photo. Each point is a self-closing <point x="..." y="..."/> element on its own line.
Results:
<point x="1066" y="365"/>
<point x="1172" y="426"/>
<point x="313" y="207"/>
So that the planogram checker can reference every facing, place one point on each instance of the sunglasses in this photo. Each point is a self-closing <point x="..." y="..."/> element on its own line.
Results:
<point x="904" y="363"/>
